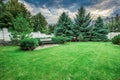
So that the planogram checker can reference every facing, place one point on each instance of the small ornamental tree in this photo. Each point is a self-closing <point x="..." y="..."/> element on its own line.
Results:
<point x="21" y="29"/>
<point x="64" y="26"/>
<point x="99" y="32"/>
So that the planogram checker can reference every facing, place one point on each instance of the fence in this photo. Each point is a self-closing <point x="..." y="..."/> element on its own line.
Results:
<point x="4" y="35"/>
<point x="112" y="34"/>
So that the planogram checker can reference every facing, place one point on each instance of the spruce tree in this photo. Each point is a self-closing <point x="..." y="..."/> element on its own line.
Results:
<point x="82" y="22"/>
<point x="64" y="26"/>
<point x="99" y="32"/>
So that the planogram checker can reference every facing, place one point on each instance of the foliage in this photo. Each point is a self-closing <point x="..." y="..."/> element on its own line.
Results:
<point x="29" y="44"/>
<point x="116" y="40"/>
<point x="80" y="37"/>
<point x="99" y="32"/>
<point x="21" y="28"/>
<point x="39" y="23"/>
<point x="52" y="28"/>
<point x="114" y="24"/>
<point x="14" y="7"/>
<point x="39" y="41"/>
<point x="5" y="16"/>
<point x="59" y="40"/>
<point x="82" y="22"/>
<point x="1" y="6"/>
<point x="64" y="26"/>
<point x="6" y="19"/>
<point x="9" y="11"/>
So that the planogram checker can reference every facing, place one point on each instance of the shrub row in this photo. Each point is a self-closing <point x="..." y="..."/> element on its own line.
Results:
<point x="30" y="43"/>
<point x="116" y="40"/>
<point x="60" y="40"/>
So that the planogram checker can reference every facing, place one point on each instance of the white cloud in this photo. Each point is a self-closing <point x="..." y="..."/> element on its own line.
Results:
<point x="98" y="12"/>
<point x="52" y="14"/>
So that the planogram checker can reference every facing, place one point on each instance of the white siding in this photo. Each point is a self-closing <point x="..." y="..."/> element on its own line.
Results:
<point x="112" y="34"/>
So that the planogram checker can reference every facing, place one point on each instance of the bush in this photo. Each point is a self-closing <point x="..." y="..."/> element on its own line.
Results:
<point x="39" y="42"/>
<point x="80" y="37"/>
<point x="59" y="40"/>
<point x="116" y="40"/>
<point x="29" y="44"/>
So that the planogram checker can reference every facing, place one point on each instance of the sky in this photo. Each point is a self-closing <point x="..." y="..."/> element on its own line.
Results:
<point x="52" y="9"/>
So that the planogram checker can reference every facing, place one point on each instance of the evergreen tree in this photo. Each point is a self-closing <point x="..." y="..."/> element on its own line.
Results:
<point x="39" y="23"/>
<point x="117" y="22"/>
<point x="1" y="6"/>
<point x="21" y="28"/>
<point x="99" y="32"/>
<point x="52" y="27"/>
<point x="114" y="24"/>
<point x="10" y="10"/>
<point x="5" y="19"/>
<point x="64" y="26"/>
<point x="5" y="16"/>
<point x="82" y="22"/>
<point x="14" y="7"/>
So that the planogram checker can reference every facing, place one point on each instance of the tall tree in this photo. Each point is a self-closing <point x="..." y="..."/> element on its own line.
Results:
<point x="5" y="16"/>
<point x="5" y="19"/>
<point x="82" y="22"/>
<point x="14" y="7"/>
<point x="10" y="10"/>
<point x="99" y="32"/>
<point x="64" y="26"/>
<point x="52" y="27"/>
<point x="1" y="6"/>
<point x="39" y="23"/>
<point x="114" y="24"/>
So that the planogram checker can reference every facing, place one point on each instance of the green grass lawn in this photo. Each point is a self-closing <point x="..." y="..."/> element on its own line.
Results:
<point x="72" y="61"/>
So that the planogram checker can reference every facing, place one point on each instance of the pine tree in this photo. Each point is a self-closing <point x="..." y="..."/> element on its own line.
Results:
<point x="39" y="23"/>
<point x="64" y="26"/>
<point x="82" y="22"/>
<point x="99" y="32"/>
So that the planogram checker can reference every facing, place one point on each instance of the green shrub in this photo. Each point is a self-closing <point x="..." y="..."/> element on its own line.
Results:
<point x="29" y="44"/>
<point x="59" y="40"/>
<point x="80" y="37"/>
<point x="39" y="42"/>
<point x="116" y="40"/>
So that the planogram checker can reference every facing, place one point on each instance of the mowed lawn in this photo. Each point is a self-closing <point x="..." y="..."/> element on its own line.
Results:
<point x="72" y="61"/>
